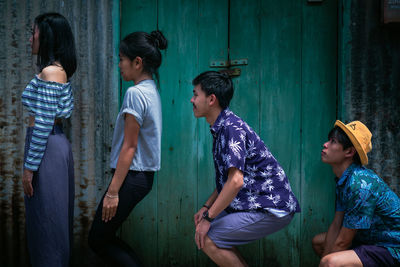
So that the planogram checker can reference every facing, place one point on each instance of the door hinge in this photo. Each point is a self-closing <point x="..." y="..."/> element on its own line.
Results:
<point x="226" y="64"/>
<point x="232" y="72"/>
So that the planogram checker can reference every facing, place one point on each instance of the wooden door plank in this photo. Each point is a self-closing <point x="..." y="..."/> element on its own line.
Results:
<point x="244" y="42"/>
<point x="140" y="229"/>
<point x="319" y="75"/>
<point x="212" y="46"/>
<point x="177" y="184"/>
<point x="137" y="15"/>
<point x="280" y="119"/>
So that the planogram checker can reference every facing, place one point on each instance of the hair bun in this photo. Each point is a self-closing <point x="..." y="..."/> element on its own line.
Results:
<point x="159" y="39"/>
<point x="225" y="74"/>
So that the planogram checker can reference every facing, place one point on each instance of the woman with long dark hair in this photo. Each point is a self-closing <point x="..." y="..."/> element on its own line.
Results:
<point x="136" y="146"/>
<point x="48" y="175"/>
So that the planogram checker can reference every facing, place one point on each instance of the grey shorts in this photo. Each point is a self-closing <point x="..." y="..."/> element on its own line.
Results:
<point x="239" y="228"/>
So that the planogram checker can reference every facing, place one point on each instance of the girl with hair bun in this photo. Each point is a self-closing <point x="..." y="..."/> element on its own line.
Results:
<point x="48" y="175"/>
<point x="136" y="146"/>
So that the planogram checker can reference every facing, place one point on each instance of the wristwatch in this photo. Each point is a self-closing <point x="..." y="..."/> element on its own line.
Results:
<point x="205" y="216"/>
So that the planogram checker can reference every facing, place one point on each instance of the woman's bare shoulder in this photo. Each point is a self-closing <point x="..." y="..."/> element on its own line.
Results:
<point x="53" y="73"/>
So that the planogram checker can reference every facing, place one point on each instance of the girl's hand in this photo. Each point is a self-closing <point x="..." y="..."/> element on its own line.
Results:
<point x="27" y="182"/>
<point x="110" y="205"/>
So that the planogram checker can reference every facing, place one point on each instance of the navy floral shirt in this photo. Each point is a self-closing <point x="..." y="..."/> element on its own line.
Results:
<point x="235" y="144"/>
<point x="370" y="206"/>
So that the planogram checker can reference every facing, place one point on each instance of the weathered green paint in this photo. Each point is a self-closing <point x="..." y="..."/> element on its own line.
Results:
<point x="319" y="64"/>
<point x="177" y="179"/>
<point x="280" y="109"/>
<point x="140" y="230"/>
<point x="245" y="36"/>
<point x="213" y="46"/>
<point x="286" y="92"/>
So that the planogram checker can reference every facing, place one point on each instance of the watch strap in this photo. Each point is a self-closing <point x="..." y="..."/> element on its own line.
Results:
<point x="206" y="217"/>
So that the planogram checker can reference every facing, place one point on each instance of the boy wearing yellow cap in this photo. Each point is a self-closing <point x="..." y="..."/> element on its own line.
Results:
<point x="366" y="228"/>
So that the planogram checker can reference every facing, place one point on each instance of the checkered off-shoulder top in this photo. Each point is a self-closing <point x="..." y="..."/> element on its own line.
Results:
<point x="45" y="100"/>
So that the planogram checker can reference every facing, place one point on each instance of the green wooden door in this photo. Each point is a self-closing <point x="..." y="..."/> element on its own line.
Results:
<point x="286" y="92"/>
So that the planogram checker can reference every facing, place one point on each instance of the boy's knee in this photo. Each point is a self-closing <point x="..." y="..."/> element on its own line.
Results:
<point x="314" y="241"/>
<point x="329" y="260"/>
<point x="318" y="243"/>
<point x="209" y="245"/>
<point x="318" y="239"/>
<point x="207" y="242"/>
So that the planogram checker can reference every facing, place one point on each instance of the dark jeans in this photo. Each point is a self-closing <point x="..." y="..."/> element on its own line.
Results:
<point x="102" y="235"/>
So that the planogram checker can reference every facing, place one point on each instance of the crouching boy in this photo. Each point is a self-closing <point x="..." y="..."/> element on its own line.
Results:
<point x="366" y="228"/>
<point x="253" y="197"/>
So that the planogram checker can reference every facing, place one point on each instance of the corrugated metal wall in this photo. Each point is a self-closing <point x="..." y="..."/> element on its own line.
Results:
<point x="96" y="28"/>
<point x="371" y="83"/>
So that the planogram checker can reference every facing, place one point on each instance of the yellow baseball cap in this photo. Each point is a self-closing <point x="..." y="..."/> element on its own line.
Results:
<point x="360" y="136"/>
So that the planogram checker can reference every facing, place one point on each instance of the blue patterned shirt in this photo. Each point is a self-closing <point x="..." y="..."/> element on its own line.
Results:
<point x="45" y="100"/>
<point x="371" y="207"/>
<point x="265" y="186"/>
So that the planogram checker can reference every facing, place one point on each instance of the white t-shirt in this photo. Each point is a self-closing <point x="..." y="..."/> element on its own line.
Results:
<point x="144" y="103"/>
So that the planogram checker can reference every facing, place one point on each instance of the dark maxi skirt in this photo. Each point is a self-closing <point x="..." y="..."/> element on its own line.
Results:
<point x="50" y="211"/>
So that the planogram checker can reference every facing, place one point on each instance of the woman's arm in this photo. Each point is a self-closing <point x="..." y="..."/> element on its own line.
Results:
<point x="131" y="133"/>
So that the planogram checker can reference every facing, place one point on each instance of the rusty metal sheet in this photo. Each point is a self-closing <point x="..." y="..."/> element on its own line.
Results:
<point x="371" y="84"/>
<point x="95" y="25"/>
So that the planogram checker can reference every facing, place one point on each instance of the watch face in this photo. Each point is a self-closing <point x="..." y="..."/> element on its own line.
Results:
<point x="205" y="216"/>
